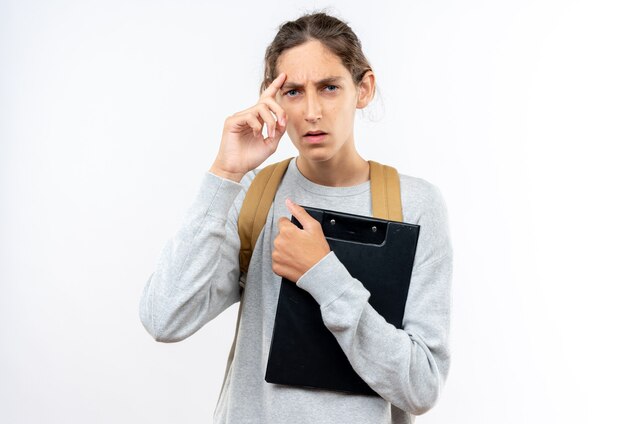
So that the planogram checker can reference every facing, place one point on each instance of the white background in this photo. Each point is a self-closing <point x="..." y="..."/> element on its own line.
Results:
<point x="111" y="111"/>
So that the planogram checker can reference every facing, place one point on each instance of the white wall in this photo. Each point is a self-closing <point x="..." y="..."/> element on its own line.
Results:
<point x="111" y="111"/>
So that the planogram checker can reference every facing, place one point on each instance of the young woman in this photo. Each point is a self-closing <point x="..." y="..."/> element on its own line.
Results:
<point x="316" y="76"/>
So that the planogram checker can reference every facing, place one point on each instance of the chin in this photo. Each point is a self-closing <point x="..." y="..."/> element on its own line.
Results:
<point x="316" y="155"/>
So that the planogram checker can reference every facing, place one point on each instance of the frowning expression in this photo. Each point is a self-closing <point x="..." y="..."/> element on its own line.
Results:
<point x="319" y="97"/>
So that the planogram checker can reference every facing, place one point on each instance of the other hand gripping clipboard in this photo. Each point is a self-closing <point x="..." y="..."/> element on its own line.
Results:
<point x="377" y="252"/>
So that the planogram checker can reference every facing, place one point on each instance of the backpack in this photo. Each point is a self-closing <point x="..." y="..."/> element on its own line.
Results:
<point x="386" y="204"/>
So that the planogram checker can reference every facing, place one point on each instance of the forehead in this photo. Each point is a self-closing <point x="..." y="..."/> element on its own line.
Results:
<point x="310" y="61"/>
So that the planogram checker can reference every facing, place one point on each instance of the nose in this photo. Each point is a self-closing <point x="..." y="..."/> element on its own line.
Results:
<point x="313" y="111"/>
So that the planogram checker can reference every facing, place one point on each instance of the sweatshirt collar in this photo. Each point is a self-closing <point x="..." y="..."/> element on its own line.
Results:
<point x="310" y="186"/>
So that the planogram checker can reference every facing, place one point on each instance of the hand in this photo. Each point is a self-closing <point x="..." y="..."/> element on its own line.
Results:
<point x="297" y="250"/>
<point x="243" y="146"/>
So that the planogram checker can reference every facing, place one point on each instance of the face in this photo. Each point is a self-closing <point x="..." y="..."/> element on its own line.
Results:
<point x="319" y="95"/>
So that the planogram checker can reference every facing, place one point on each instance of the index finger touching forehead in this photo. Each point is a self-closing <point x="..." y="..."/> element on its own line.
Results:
<point x="278" y="82"/>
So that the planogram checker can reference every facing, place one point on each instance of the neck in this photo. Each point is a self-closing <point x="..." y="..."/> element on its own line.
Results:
<point x="342" y="170"/>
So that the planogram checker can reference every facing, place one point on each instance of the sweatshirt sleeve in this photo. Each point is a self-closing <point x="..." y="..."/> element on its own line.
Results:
<point x="408" y="366"/>
<point x="197" y="274"/>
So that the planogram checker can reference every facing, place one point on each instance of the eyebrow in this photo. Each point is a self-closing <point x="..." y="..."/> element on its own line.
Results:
<point x="324" y="81"/>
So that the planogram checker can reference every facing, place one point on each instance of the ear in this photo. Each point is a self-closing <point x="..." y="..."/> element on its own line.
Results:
<point x="366" y="90"/>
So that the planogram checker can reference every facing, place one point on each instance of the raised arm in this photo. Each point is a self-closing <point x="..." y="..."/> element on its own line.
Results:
<point x="197" y="275"/>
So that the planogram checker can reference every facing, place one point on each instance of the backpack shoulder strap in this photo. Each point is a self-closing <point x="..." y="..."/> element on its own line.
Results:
<point x="256" y="206"/>
<point x="252" y="216"/>
<point x="385" y="188"/>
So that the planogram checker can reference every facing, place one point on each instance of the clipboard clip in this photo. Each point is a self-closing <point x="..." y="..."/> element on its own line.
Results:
<point x="349" y="227"/>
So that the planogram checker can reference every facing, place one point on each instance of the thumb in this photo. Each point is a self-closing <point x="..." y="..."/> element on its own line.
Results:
<point x="279" y="130"/>
<point x="281" y="127"/>
<point x="307" y="221"/>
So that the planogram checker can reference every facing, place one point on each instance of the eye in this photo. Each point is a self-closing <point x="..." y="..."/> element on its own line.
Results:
<point x="332" y="86"/>
<point x="290" y="91"/>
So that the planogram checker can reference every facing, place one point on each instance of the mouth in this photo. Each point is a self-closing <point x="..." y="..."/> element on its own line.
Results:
<point x="314" y="133"/>
<point x="314" y="136"/>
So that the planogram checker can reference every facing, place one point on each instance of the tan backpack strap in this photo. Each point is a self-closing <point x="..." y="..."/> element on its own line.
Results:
<point x="256" y="206"/>
<point x="385" y="188"/>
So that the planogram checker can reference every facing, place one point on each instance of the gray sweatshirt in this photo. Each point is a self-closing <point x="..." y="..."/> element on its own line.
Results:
<point x="197" y="277"/>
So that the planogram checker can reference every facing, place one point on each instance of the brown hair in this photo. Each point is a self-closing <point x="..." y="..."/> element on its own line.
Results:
<point x="332" y="32"/>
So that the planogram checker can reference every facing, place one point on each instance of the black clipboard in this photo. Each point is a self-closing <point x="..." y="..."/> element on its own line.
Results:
<point x="380" y="254"/>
